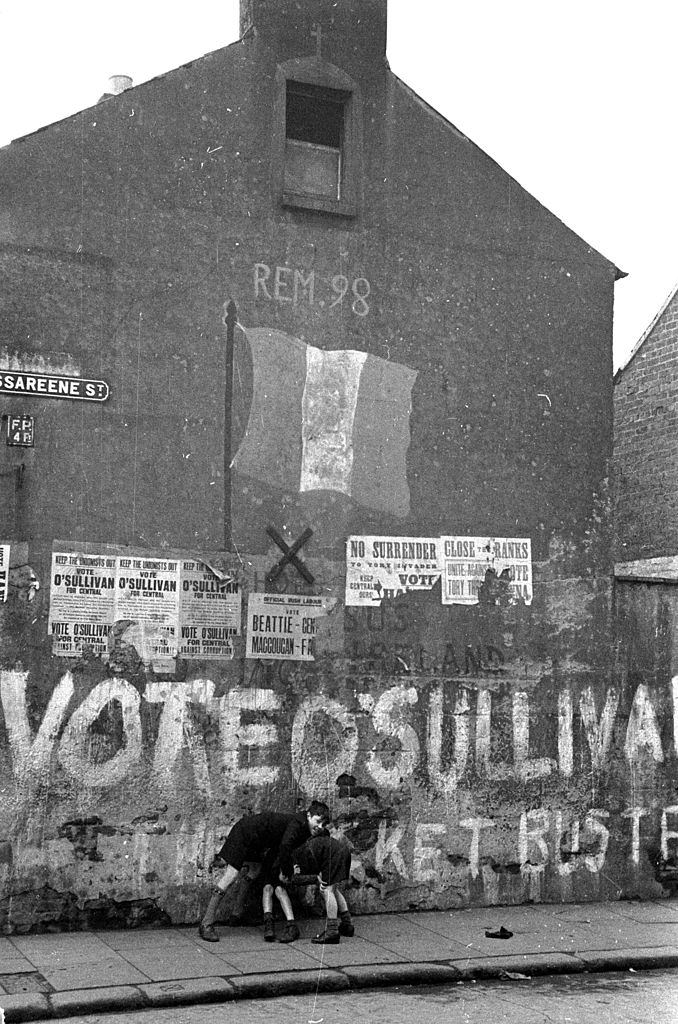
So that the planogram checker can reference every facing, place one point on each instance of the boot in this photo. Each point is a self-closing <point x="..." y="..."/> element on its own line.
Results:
<point x="206" y="929"/>
<point x="346" y="924"/>
<point x="269" y="928"/>
<point x="290" y="933"/>
<point x="330" y="937"/>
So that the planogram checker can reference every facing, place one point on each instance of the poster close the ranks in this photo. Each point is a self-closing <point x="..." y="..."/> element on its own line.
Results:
<point x="468" y="559"/>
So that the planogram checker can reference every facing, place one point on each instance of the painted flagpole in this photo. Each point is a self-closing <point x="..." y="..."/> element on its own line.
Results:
<point x="229" y="320"/>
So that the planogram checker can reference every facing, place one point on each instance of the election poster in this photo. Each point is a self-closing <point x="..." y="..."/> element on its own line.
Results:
<point x="379" y="567"/>
<point x="211" y="612"/>
<point x="468" y="560"/>
<point x="147" y="594"/>
<point x="82" y="602"/>
<point x="4" y="571"/>
<point x="171" y="607"/>
<point x="283" y="626"/>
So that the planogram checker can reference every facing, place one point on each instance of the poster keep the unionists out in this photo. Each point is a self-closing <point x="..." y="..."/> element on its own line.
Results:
<point x="210" y="613"/>
<point x="179" y="606"/>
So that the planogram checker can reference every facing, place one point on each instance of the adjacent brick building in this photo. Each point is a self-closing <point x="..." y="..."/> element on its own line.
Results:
<point x="347" y="537"/>
<point x="646" y="442"/>
<point x="646" y="551"/>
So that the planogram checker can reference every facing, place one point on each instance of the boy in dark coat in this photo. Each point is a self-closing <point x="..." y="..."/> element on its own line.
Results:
<point x="268" y="839"/>
<point x="330" y="860"/>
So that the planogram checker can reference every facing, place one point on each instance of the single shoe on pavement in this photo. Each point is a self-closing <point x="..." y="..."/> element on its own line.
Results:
<point x="208" y="932"/>
<point x="269" y="928"/>
<point x="290" y="933"/>
<point x="346" y="927"/>
<point x="326" y="938"/>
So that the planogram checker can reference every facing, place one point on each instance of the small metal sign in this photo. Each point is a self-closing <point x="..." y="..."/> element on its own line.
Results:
<point x="21" y="431"/>
<point x="49" y="385"/>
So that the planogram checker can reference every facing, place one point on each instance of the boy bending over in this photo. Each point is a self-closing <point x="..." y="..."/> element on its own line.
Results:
<point x="255" y="838"/>
<point x="330" y="860"/>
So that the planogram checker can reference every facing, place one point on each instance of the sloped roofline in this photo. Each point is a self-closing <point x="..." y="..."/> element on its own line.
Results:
<point x="126" y="92"/>
<point x="618" y="274"/>
<point x="648" y="331"/>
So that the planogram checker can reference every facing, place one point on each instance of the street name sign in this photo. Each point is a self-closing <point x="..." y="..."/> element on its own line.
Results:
<point x="49" y="385"/>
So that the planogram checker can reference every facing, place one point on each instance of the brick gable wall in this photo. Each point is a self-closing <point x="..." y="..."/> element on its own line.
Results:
<point x="646" y="445"/>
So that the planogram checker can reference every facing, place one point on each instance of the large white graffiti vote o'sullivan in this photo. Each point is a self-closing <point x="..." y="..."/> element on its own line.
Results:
<point x="72" y="748"/>
<point x="320" y="755"/>
<point x="389" y="717"/>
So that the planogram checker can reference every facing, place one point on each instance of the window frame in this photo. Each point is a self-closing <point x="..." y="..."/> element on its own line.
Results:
<point x="314" y="72"/>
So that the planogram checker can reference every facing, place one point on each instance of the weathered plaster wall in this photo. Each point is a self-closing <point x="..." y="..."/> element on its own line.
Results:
<point x="475" y="754"/>
<point x="529" y="779"/>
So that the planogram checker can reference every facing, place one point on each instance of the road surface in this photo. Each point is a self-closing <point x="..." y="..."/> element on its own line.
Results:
<point x="619" y="998"/>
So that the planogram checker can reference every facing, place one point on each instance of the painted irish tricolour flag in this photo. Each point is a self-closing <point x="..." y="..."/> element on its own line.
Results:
<point x="328" y="420"/>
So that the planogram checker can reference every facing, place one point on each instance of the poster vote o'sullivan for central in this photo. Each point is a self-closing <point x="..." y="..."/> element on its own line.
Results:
<point x="209" y="613"/>
<point x="179" y="607"/>
<point x="82" y="602"/>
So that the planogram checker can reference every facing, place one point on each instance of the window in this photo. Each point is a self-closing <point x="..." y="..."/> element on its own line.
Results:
<point x="314" y="140"/>
<point x="317" y="138"/>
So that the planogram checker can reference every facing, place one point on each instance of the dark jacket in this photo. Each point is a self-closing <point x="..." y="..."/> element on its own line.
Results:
<point x="277" y="832"/>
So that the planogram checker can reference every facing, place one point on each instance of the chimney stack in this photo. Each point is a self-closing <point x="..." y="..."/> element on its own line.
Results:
<point x="342" y="32"/>
<point x="118" y="84"/>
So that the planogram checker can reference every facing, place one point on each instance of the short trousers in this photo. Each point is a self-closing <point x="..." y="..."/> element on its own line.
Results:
<point x="235" y="850"/>
<point x="326" y="857"/>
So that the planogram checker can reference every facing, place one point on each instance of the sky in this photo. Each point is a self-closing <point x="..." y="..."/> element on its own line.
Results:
<point x="575" y="100"/>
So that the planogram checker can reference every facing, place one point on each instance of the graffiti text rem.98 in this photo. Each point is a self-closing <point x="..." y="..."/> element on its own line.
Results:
<point x="289" y="284"/>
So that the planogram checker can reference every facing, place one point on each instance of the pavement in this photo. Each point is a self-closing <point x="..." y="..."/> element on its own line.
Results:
<point x="66" y="973"/>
